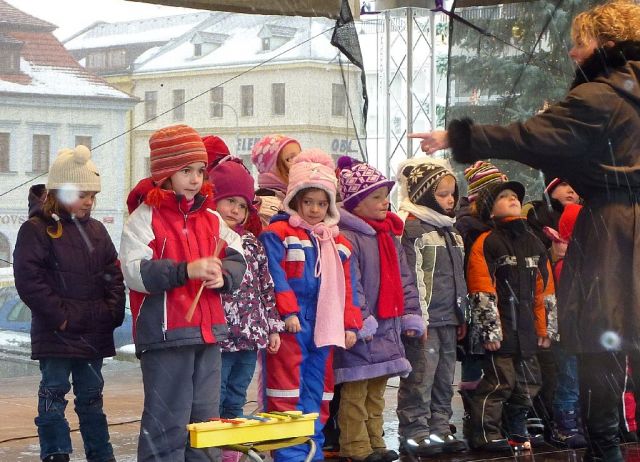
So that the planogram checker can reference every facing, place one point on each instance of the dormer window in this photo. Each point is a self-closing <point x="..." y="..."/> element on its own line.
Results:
<point x="273" y="36"/>
<point x="9" y="55"/>
<point x="206" y="42"/>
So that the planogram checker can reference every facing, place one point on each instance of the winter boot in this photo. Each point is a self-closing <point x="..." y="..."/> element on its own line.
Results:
<point x="516" y="426"/>
<point x="420" y="447"/>
<point x="497" y="445"/>
<point x="467" y="429"/>
<point x="388" y="455"/>
<point x="449" y="442"/>
<point x="56" y="458"/>
<point x="373" y="457"/>
<point x="567" y="432"/>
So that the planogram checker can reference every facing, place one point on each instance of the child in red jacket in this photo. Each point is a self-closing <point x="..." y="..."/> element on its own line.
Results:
<point x="177" y="255"/>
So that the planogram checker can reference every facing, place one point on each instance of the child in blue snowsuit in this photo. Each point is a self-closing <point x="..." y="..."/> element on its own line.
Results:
<point x="310" y="266"/>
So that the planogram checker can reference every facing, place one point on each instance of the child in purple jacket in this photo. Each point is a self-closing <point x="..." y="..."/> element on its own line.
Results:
<point x="389" y="302"/>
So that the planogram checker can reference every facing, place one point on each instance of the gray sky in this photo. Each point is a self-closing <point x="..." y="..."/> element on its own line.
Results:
<point x="72" y="15"/>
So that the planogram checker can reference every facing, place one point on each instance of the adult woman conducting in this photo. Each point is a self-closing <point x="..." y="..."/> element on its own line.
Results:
<point x="591" y="138"/>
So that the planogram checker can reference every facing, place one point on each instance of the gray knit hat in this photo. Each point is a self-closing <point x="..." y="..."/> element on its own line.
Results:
<point x="73" y="169"/>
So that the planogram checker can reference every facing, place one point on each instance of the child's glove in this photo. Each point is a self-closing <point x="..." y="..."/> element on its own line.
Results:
<point x="369" y="328"/>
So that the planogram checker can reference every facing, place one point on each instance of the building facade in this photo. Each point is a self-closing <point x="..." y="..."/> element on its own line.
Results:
<point x="48" y="102"/>
<point x="236" y="76"/>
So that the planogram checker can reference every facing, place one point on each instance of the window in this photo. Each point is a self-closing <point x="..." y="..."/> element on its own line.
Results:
<point x="277" y="98"/>
<point x="197" y="49"/>
<point x="150" y="104"/>
<point x="40" y="160"/>
<point x="178" y="104"/>
<point x="338" y="100"/>
<point x="84" y="141"/>
<point x="266" y="44"/>
<point x="246" y="93"/>
<point x="5" y="252"/>
<point x="217" y="101"/>
<point x="4" y="152"/>
<point x="117" y="59"/>
<point x="97" y="60"/>
<point x="10" y="60"/>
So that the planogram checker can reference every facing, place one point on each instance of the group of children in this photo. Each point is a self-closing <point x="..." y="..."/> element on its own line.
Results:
<point x="311" y="276"/>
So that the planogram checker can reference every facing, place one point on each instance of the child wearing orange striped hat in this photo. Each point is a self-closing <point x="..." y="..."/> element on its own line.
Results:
<point x="177" y="255"/>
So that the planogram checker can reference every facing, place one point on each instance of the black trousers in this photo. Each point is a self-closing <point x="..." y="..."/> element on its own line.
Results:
<point x="601" y="382"/>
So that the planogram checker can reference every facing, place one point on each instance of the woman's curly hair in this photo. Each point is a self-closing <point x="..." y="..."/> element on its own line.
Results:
<point x="616" y="21"/>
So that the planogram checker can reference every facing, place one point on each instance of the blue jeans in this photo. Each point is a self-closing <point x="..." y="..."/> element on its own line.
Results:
<point x="567" y="389"/>
<point x="237" y="371"/>
<point x="53" y="427"/>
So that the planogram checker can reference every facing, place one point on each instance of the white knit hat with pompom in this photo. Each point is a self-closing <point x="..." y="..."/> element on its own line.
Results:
<point x="73" y="169"/>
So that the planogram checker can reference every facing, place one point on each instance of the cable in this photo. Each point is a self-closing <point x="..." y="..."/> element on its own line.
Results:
<point x="75" y="430"/>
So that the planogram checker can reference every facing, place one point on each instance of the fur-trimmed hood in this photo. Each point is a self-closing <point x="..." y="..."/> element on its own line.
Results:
<point x="600" y="67"/>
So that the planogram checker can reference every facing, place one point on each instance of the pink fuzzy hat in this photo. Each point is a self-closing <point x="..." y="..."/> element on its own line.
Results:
<point x="313" y="168"/>
<point x="264" y="154"/>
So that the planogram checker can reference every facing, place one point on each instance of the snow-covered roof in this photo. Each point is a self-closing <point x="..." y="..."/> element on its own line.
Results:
<point x="153" y="30"/>
<point x="11" y="16"/>
<point x="46" y="67"/>
<point x="244" y="45"/>
<point x="53" y="81"/>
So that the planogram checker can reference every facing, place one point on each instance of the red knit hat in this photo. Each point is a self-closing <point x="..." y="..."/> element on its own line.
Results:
<point x="217" y="150"/>
<point x="172" y="148"/>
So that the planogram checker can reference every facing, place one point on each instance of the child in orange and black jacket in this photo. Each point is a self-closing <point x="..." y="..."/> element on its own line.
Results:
<point x="513" y="313"/>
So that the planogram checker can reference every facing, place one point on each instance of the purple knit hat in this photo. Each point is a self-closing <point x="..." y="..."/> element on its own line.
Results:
<point x="358" y="180"/>
<point x="264" y="154"/>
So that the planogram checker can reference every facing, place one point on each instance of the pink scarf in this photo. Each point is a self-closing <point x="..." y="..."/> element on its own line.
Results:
<point x="270" y="180"/>
<point x="329" y="328"/>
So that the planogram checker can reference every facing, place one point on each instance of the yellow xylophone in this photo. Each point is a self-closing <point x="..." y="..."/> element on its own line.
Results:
<point x="263" y="427"/>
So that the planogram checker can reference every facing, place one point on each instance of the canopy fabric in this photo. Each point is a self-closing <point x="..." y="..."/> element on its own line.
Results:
<point x="326" y="8"/>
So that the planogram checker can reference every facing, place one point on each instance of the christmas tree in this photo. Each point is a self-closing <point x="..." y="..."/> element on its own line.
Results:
<point x="508" y="62"/>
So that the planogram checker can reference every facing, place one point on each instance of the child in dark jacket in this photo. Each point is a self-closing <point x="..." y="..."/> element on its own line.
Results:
<point x="254" y="323"/>
<point x="427" y="200"/>
<point x="177" y="256"/>
<point x="67" y="273"/>
<point x="389" y="302"/>
<point x="479" y="176"/>
<point x="567" y="425"/>
<point x="513" y="312"/>
<point x="309" y="262"/>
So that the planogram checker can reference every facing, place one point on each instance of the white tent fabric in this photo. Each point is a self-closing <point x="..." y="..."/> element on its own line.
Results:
<point x="327" y="8"/>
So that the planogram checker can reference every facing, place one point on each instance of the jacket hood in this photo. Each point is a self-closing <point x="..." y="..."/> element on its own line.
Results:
<point x="623" y="57"/>
<point x="37" y="194"/>
<point x="350" y="222"/>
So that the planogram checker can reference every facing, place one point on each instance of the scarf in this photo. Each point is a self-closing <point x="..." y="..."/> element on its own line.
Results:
<point x="425" y="214"/>
<point x="329" y="328"/>
<point x="390" y="298"/>
<point x="270" y="180"/>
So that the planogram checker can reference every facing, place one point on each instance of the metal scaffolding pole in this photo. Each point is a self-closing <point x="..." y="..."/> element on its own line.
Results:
<point x="410" y="75"/>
